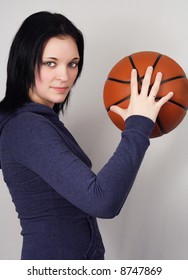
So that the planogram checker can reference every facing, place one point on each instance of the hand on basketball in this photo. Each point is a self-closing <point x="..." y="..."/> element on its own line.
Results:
<point x="143" y="103"/>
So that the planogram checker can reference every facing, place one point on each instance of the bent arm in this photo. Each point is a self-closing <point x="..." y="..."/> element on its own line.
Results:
<point x="39" y="147"/>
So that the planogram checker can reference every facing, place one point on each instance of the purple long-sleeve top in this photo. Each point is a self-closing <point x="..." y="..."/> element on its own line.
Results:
<point x="56" y="194"/>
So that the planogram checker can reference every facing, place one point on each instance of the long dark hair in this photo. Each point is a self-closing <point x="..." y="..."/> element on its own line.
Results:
<point x="26" y="54"/>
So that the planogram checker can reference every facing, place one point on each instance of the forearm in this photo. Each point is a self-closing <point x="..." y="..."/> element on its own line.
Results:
<point x="112" y="184"/>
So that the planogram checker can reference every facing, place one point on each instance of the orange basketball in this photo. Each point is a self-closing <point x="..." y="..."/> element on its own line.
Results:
<point x="117" y="88"/>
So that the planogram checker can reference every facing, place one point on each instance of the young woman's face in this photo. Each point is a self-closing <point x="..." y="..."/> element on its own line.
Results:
<point x="58" y="71"/>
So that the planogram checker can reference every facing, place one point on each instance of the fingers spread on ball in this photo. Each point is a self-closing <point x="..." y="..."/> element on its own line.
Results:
<point x="155" y="88"/>
<point x="146" y="81"/>
<point x="134" y="82"/>
<point x="164" y="99"/>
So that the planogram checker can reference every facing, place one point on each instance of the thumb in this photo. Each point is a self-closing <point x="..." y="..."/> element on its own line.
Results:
<point x="118" y="110"/>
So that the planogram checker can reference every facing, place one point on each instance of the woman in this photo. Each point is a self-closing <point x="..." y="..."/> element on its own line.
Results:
<point x="56" y="194"/>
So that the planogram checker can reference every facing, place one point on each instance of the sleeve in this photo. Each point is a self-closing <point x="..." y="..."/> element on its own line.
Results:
<point x="38" y="146"/>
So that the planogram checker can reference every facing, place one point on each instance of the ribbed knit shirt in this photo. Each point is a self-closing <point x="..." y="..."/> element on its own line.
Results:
<point x="56" y="194"/>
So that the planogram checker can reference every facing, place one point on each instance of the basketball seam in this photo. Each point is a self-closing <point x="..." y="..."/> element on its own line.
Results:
<point x="162" y="82"/>
<point x="157" y="98"/>
<point x="157" y="60"/>
<point x="173" y="78"/>
<point x="162" y="130"/>
<point x="175" y="103"/>
<point x="134" y="67"/>
<point x="118" y="81"/>
<point x="118" y="102"/>
<point x="139" y="79"/>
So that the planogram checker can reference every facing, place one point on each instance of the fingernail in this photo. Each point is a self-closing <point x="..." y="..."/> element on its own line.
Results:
<point x="159" y="74"/>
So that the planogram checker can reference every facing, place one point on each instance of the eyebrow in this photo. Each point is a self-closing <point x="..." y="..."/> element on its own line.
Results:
<point x="55" y="58"/>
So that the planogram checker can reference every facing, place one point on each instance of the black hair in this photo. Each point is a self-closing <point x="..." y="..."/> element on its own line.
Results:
<point x="26" y="54"/>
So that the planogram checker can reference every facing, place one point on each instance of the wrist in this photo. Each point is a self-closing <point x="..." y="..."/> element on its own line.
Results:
<point x="141" y="124"/>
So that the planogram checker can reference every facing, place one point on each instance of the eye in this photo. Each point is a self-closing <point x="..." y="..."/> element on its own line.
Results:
<point x="50" y="64"/>
<point x="73" y="64"/>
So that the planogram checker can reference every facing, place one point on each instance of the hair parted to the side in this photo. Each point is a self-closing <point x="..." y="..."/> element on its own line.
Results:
<point x="26" y="54"/>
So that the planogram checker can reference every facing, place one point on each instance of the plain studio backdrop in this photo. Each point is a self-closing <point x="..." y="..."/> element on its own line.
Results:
<point x="153" y="223"/>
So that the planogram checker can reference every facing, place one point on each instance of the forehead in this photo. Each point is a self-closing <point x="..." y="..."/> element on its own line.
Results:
<point x="61" y="46"/>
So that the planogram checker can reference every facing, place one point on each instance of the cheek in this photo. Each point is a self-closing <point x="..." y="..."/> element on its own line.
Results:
<point x="41" y="80"/>
<point x="38" y="85"/>
<point x="74" y="76"/>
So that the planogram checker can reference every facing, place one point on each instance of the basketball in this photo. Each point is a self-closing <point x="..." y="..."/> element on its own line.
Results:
<point x="117" y="88"/>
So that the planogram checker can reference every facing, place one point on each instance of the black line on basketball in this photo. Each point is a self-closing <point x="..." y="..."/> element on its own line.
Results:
<point x="162" y="82"/>
<point x="118" y="102"/>
<point x="160" y="126"/>
<point x="173" y="78"/>
<point x="175" y="103"/>
<point x="139" y="79"/>
<point x="154" y="65"/>
<point x="132" y="62"/>
<point x="118" y="81"/>
<point x="157" y="60"/>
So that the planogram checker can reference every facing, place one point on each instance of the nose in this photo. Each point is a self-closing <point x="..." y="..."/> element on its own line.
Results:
<point x="62" y="73"/>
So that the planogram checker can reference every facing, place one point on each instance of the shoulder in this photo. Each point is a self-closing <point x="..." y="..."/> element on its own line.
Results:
<point x="29" y="124"/>
<point x="29" y="118"/>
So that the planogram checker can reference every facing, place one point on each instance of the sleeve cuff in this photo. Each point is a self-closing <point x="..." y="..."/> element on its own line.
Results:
<point x="140" y="124"/>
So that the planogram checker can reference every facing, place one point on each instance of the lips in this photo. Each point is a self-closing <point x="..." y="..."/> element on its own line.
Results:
<point x="60" y="89"/>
